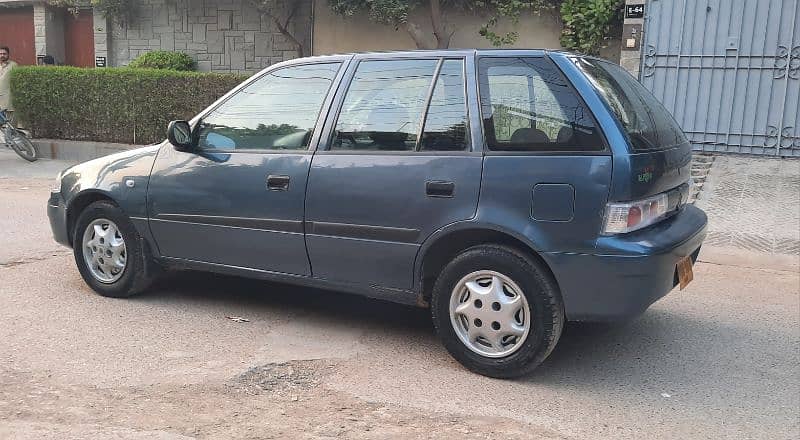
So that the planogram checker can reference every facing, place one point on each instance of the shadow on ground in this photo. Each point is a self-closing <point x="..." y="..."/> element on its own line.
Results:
<point x="662" y="343"/>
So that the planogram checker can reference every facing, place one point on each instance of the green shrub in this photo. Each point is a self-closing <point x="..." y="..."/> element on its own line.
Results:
<point x="164" y="59"/>
<point x="113" y="104"/>
<point x="588" y="23"/>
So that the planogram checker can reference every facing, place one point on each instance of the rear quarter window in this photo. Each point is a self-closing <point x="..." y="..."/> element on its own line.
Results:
<point x="648" y="125"/>
<point x="528" y="105"/>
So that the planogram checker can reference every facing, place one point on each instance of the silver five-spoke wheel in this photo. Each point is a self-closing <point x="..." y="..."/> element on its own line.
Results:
<point x="489" y="313"/>
<point x="104" y="250"/>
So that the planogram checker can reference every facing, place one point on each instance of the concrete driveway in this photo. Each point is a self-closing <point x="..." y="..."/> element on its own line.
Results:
<point x="718" y="360"/>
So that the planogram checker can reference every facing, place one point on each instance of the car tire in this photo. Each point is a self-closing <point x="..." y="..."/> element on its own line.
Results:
<point x="536" y="319"/>
<point x="138" y="270"/>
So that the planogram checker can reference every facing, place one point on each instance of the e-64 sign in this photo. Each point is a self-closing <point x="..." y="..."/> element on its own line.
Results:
<point x="634" y="11"/>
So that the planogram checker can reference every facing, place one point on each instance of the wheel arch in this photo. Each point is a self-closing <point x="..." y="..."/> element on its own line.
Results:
<point x="443" y="246"/>
<point x="79" y="202"/>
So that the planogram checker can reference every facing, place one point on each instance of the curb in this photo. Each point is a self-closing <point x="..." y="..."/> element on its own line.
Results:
<point x="78" y="151"/>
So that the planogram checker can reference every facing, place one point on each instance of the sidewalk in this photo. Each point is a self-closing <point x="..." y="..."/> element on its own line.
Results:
<point x="753" y="204"/>
<point x="13" y="166"/>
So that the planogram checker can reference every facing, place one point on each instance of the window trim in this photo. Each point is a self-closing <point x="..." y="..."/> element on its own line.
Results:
<point x="431" y="87"/>
<point x="318" y="125"/>
<point x="605" y="151"/>
<point x="335" y="109"/>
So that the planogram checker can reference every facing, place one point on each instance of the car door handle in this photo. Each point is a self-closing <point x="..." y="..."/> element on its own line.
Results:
<point x="439" y="188"/>
<point x="277" y="182"/>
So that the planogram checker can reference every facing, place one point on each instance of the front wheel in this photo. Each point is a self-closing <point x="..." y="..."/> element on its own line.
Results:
<point x="111" y="256"/>
<point x="497" y="311"/>
<point x="22" y="145"/>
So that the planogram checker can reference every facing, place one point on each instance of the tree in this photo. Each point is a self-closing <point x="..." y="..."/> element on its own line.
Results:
<point x="398" y="13"/>
<point x="282" y="13"/>
<point x="588" y="23"/>
<point x="118" y="11"/>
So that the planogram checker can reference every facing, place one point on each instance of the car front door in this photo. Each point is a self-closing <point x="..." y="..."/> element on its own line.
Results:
<point x="396" y="164"/>
<point x="237" y="199"/>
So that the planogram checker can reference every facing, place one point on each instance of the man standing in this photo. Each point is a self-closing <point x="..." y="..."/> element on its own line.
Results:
<point x="5" y="78"/>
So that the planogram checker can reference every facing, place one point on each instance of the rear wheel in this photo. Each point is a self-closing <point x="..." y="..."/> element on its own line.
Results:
<point x="497" y="311"/>
<point x="21" y="145"/>
<point x="110" y="254"/>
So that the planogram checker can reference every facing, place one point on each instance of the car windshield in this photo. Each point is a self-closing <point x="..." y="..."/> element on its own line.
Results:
<point x="647" y="123"/>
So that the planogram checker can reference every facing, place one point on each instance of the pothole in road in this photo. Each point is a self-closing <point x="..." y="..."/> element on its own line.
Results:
<point x="283" y="377"/>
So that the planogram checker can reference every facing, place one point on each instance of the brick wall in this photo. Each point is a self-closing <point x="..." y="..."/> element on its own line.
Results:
<point x="221" y="35"/>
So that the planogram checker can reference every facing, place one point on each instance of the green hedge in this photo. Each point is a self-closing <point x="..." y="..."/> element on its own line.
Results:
<point x="164" y="59"/>
<point x="111" y="104"/>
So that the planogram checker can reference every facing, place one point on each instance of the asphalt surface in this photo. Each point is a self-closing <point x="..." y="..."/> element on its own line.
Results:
<point x="720" y="359"/>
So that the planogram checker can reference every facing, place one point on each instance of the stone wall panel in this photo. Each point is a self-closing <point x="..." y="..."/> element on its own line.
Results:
<point x="222" y="35"/>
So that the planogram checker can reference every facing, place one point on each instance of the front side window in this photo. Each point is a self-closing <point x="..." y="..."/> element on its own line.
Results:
<point x="528" y="105"/>
<point x="647" y="123"/>
<point x="276" y="112"/>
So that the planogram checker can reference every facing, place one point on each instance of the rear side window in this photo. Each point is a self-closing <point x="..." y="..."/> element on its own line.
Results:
<point x="528" y="105"/>
<point x="387" y="100"/>
<point x="446" y="123"/>
<point x="647" y="123"/>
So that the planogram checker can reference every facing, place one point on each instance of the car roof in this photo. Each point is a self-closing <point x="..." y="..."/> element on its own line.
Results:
<point x="388" y="55"/>
<point x="442" y="52"/>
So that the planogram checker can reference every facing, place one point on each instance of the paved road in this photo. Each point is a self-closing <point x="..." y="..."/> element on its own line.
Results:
<point x="718" y="360"/>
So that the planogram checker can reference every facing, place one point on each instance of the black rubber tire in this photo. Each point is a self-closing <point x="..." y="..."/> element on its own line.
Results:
<point x="140" y="270"/>
<point x="540" y="290"/>
<point x="23" y="146"/>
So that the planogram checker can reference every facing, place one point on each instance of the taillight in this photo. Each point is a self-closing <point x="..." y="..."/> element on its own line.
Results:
<point x="630" y="216"/>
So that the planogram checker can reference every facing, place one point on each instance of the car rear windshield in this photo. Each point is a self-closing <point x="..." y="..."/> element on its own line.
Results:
<point x="648" y="124"/>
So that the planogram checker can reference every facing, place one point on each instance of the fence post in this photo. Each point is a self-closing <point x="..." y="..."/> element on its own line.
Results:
<point x="633" y="36"/>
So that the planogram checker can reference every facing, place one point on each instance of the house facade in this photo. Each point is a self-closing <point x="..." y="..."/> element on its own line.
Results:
<point x="221" y="35"/>
<point x="226" y="35"/>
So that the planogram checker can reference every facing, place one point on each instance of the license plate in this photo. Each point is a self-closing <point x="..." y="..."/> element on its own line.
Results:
<point x="685" y="274"/>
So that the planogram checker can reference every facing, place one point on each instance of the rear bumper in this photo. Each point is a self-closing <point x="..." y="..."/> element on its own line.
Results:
<point x="630" y="271"/>
<point x="57" y="213"/>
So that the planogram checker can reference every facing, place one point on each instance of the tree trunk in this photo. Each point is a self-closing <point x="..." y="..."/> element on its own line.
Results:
<point x="289" y="36"/>
<point x="439" y="27"/>
<point x="283" y="25"/>
<point x="418" y="36"/>
<point x="284" y="29"/>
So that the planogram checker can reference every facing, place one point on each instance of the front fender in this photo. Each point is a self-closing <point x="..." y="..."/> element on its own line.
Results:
<point x="121" y="177"/>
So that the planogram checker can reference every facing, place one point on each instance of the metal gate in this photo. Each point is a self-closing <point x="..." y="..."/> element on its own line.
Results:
<point x="728" y="70"/>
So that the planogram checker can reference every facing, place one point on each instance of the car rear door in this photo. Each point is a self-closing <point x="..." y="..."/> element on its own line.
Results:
<point x="238" y="198"/>
<point x="396" y="163"/>
<point x="547" y="169"/>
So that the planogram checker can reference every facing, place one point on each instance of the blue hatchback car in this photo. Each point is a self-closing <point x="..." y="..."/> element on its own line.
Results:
<point x="507" y="190"/>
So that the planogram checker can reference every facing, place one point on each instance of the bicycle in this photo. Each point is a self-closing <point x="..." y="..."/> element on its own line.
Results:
<point x="16" y="139"/>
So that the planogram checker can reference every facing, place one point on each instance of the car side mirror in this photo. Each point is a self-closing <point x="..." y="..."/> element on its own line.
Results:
<point x="179" y="134"/>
